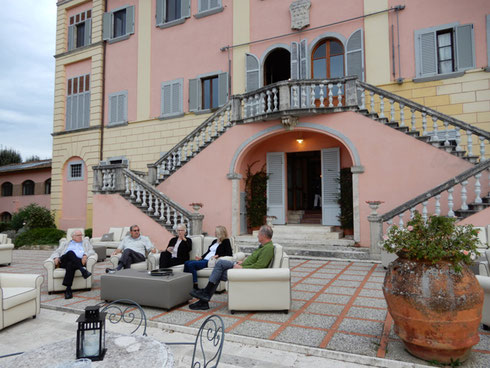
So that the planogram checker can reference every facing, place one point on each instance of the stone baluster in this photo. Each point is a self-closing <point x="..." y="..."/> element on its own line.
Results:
<point x="179" y="156"/>
<point x="363" y="99"/>
<point x="262" y="103"/>
<point x="458" y="139"/>
<point x="464" y="196"/>
<point x="446" y="133"/>
<point x="469" y="143"/>
<point x="478" y="188"/>
<point x="438" y="205"/>
<point x="402" y="115"/>
<point x="450" y="202"/>
<point x="222" y="122"/>
<point x="381" y="106"/>
<point x="412" y="120"/>
<point x="202" y="136"/>
<point x="168" y="215"/>
<point x="322" y="95"/>
<point x="390" y="224"/>
<point x="392" y="111"/>
<point x="482" y="149"/>
<point x="412" y="213"/>
<point x="174" y="161"/>
<point x="339" y="94"/>
<point x="400" y="220"/>
<point x="330" y="95"/>
<point x="170" y="168"/>
<point x="424" y="210"/>
<point x="143" y="201"/>
<point x="126" y="183"/>
<point x="435" y="137"/>
<point x="150" y="202"/>
<point x="371" y="94"/>
<point x="303" y="97"/>
<point x="195" y="145"/>
<point x="162" y="211"/>
<point x="245" y="107"/>
<point x="175" y="218"/>
<point x="138" y="194"/>
<point x="132" y="196"/>
<point x="424" y="124"/>
<point x="182" y="219"/>
<point x="228" y="115"/>
<point x="312" y="95"/>
<point x="157" y="205"/>
<point x="257" y="104"/>
<point x="276" y="99"/>
<point x="294" y="90"/>
<point x="104" y="179"/>
<point x="269" y="100"/>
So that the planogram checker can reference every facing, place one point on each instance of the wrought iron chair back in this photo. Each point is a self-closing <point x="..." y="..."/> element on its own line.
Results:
<point x="208" y="344"/>
<point x="126" y="311"/>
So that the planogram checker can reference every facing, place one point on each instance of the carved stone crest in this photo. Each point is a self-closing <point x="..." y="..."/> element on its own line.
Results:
<point x="300" y="14"/>
<point x="289" y="122"/>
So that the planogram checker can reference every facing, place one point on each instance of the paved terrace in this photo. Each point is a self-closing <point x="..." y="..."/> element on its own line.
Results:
<point x="338" y="312"/>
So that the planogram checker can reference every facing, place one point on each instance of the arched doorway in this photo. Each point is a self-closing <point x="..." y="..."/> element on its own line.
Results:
<point x="277" y="66"/>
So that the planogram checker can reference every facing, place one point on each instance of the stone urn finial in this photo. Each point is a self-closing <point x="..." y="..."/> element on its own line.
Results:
<point x="374" y="205"/>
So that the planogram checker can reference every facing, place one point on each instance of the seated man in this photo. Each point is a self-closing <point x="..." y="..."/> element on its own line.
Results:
<point x="178" y="249"/>
<point x="72" y="255"/>
<point x="133" y="248"/>
<point x="260" y="258"/>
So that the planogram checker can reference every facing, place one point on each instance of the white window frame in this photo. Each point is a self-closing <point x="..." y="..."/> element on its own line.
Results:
<point x="204" y="8"/>
<point x="72" y="30"/>
<point x="176" y="83"/>
<point x="120" y="97"/>
<point x="82" y="171"/>
<point x="198" y="81"/>
<point x="160" y="13"/>
<point x="108" y="24"/>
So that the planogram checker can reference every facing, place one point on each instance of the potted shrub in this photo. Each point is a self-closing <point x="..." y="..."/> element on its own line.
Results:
<point x="345" y="201"/>
<point x="256" y="196"/>
<point x="433" y="297"/>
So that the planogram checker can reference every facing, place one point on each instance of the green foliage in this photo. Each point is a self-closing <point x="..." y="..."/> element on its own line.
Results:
<point x="346" y="216"/>
<point x="5" y="226"/>
<point x="88" y="232"/>
<point x="33" y="158"/>
<point x="256" y="195"/>
<point x="434" y="240"/>
<point x="39" y="236"/>
<point x="9" y="156"/>
<point x="33" y="216"/>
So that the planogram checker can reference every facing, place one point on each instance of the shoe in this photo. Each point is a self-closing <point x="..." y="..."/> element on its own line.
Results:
<point x="200" y="305"/>
<point x="110" y="270"/>
<point x="195" y="287"/>
<point x="68" y="294"/>
<point x="86" y="274"/>
<point x="200" y="294"/>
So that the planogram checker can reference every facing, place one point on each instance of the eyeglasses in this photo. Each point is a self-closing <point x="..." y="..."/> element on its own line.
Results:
<point x="77" y="235"/>
<point x="136" y="231"/>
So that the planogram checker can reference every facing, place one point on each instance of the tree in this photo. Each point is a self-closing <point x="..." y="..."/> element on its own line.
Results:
<point x="9" y="156"/>
<point x="33" y="216"/>
<point x="33" y="158"/>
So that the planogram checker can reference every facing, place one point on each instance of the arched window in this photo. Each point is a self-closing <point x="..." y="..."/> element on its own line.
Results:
<point x="328" y="59"/>
<point x="277" y="66"/>
<point x="7" y="189"/>
<point x="28" y="187"/>
<point x="5" y="217"/>
<point x="47" y="186"/>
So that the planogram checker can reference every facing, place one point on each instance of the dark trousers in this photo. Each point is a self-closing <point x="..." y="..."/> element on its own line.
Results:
<point x="129" y="257"/>
<point x="166" y="260"/>
<point x="70" y="262"/>
<point x="194" y="266"/>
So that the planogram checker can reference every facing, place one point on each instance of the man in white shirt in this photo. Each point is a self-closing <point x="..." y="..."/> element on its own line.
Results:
<point x="133" y="248"/>
<point x="72" y="255"/>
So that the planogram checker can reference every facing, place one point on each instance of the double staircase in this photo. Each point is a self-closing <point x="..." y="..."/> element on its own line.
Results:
<point x="287" y="101"/>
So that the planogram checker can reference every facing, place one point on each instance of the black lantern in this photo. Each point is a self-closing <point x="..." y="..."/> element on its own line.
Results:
<point x="91" y="334"/>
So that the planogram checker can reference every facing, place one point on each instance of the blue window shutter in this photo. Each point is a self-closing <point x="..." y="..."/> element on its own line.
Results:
<point x="203" y="5"/>
<point x="465" y="54"/>
<point x="194" y="85"/>
<point x="176" y="97"/>
<point x="425" y="53"/>
<point x="166" y="99"/>
<point x="68" y="113"/>
<point x="303" y="59"/>
<point x="112" y="109"/>
<point x="74" y="111"/>
<point x="86" y="114"/>
<point x="130" y="20"/>
<point x="252" y="73"/>
<point x="120" y="107"/>
<point x="186" y="8"/>
<point x="214" y="4"/>
<point x="354" y="55"/>
<point x="294" y="60"/>
<point x="71" y="37"/>
<point x="222" y="88"/>
<point x="107" y="26"/>
<point x="88" y="32"/>
<point x="160" y="11"/>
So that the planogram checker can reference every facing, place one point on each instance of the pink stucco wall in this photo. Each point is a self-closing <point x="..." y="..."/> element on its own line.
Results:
<point x="74" y="198"/>
<point x="79" y="68"/>
<point x="481" y="218"/>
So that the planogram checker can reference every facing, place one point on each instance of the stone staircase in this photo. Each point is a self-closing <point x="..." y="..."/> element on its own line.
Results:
<point x="307" y="241"/>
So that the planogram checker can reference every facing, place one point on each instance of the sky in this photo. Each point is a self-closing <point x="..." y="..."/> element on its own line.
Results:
<point x="27" y="44"/>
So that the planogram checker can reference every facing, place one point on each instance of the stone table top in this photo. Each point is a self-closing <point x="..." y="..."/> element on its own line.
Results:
<point x="122" y="350"/>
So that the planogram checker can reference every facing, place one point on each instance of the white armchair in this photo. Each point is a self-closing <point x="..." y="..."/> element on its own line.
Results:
<point x="197" y="241"/>
<point x="485" y="284"/>
<point x="56" y="275"/>
<point x="261" y="289"/>
<point x="6" y="249"/>
<point x="118" y="235"/>
<point x="20" y="297"/>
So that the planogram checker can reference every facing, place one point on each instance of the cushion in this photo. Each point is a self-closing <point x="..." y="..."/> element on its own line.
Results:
<point x="13" y="296"/>
<point x="107" y="237"/>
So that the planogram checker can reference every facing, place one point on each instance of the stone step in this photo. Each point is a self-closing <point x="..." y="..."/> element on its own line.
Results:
<point x="305" y="232"/>
<point x="251" y="241"/>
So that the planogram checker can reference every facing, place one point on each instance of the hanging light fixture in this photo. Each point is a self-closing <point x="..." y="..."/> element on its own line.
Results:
<point x="300" y="138"/>
<point x="91" y="334"/>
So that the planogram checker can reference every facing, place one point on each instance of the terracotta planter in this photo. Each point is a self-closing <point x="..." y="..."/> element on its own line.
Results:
<point x="436" y="310"/>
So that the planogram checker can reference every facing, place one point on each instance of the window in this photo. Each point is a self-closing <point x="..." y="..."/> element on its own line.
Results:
<point x="172" y="97"/>
<point x="172" y="12"/>
<point x="208" y="7"/>
<point x="47" y="186"/>
<point x="118" y="24"/>
<point x="5" y="217"/>
<point x="75" y="170"/>
<point x="118" y="107"/>
<point x="79" y="30"/>
<point x="444" y="50"/>
<point x="28" y="187"/>
<point x="328" y="59"/>
<point x="78" y="102"/>
<point x="208" y="91"/>
<point x="7" y="189"/>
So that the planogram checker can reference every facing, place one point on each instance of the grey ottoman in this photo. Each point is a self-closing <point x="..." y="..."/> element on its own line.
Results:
<point x="153" y="291"/>
<point x="101" y="252"/>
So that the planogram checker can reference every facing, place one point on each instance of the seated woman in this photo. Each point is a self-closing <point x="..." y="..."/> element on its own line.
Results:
<point x="178" y="249"/>
<point x="220" y="247"/>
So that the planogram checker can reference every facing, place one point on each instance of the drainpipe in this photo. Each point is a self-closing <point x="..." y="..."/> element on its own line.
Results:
<point x="101" y="149"/>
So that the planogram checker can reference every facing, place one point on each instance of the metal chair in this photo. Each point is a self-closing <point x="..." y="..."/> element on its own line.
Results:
<point x="125" y="313"/>
<point x="208" y="344"/>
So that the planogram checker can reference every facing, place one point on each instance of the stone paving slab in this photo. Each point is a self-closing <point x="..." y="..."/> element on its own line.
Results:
<point x="336" y="306"/>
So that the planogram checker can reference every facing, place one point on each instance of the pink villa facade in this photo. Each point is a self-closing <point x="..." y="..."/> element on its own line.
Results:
<point x="23" y="184"/>
<point x="161" y="103"/>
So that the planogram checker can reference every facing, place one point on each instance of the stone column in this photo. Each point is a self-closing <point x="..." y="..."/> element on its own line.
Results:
<point x="235" y="202"/>
<point x="196" y="223"/>
<point x="284" y="97"/>
<point x="356" y="170"/>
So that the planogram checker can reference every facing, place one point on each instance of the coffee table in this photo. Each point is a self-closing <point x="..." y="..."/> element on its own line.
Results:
<point x="154" y="291"/>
